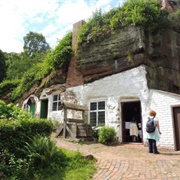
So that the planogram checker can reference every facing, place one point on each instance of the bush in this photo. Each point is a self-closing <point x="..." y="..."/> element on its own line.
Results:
<point x="12" y="112"/>
<point x="16" y="133"/>
<point x="95" y="132"/>
<point x="13" y="167"/>
<point x="107" y="135"/>
<point x="43" y="153"/>
<point x="8" y="86"/>
<point x="141" y="13"/>
<point x="175" y="20"/>
<point x="42" y="158"/>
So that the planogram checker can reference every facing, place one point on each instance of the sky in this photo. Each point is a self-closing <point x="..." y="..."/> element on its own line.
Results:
<point x="51" y="18"/>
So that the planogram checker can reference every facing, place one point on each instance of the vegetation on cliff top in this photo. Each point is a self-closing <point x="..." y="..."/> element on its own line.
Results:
<point x="23" y="71"/>
<point x="142" y="13"/>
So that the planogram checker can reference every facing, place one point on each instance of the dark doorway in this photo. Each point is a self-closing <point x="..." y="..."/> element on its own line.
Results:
<point x="131" y="122"/>
<point x="176" y="117"/>
<point x="44" y="108"/>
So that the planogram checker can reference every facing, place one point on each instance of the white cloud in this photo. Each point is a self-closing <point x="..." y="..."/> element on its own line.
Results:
<point x="52" y="18"/>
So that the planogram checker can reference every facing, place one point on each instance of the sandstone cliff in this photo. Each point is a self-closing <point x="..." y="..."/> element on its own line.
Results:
<point x="131" y="47"/>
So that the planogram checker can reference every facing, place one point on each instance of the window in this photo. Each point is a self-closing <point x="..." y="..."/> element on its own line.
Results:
<point x="97" y="113"/>
<point x="56" y="103"/>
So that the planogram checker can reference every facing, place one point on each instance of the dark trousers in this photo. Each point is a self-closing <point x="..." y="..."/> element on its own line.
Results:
<point x="152" y="146"/>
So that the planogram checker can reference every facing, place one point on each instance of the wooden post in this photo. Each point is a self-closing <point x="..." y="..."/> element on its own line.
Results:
<point x="65" y="121"/>
<point x="65" y="127"/>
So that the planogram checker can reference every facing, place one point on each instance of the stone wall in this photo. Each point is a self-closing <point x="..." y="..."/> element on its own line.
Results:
<point x="129" y="48"/>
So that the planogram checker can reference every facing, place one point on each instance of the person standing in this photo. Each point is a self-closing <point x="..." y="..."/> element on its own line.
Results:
<point x="153" y="137"/>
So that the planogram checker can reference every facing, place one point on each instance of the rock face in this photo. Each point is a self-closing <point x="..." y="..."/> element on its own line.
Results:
<point x="129" y="48"/>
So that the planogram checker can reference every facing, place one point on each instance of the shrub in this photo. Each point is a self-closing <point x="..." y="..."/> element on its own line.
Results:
<point x="62" y="53"/>
<point x="43" y="152"/>
<point x="8" y="86"/>
<point x="107" y="135"/>
<point x="175" y="20"/>
<point x="13" y="167"/>
<point x="143" y="13"/>
<point x="16" y="133"/>
<point x="12" y="112"/>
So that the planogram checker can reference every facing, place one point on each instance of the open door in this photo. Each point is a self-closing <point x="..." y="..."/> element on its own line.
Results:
<point x="131" y="115"/>
<point x="176" y="119"/>
<point x="44" y="108"/>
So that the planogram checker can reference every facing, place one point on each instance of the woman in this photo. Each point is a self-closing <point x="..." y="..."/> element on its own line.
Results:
<point x="154" y="136"/>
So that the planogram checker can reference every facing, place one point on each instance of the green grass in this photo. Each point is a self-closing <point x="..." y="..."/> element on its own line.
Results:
<point x="78" y="168"/>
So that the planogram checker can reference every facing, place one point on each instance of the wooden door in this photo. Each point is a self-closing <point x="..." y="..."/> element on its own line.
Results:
<point x="44" y="108"/>
<point x="176" y="115"/>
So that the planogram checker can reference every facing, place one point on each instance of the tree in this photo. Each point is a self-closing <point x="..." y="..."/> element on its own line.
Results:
<point x="2" y="66"/>
<point x="17" y="64"/>
<point x="35" y="43"/>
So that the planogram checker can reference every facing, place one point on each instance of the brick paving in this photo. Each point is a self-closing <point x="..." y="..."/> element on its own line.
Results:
<point x="128" y="161"/>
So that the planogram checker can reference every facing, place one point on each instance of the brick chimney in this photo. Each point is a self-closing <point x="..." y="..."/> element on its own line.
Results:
<point x="74" y="77"/>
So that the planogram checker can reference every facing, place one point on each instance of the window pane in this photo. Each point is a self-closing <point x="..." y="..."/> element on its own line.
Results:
<point x="101" y="117"/>
<point x="101" y="105"/>
<point x="55" y="97"/>
<point x="93" y="106"/>
<point x="93" y="118"/>
<point x="54" y="108"/>
<point x="59" y="105"/>
<point x="59" y="97"/>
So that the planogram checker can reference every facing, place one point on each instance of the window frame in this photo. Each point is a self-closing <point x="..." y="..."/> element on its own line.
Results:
<point x="58" y="102"/>
<point x="97" y="110"/>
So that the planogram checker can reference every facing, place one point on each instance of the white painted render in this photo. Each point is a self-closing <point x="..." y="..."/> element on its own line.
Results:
<point x="163" y="102"/>
<point x="130" y="85"/>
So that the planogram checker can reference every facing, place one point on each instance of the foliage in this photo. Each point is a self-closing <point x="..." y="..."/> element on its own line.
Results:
<point x="13" y="167"/>
<point x="77" y="167"/>
<point x="44" y="160"/>
<point x="16" y="71"/>
<point x="95" y="132"/>
<point x="16" y="133"/>
<point x="27" y="152"/>
<point x="35" y="43"/>
<point x="12" y="112"/>
<point x="43" y="153"/>
<point x="59" y="58"/>
<point x="107" y="135"/>
<point x="175" y="20"/>
<point x="62" y="53"/>
<point x="143" y="13"/>
<point x="2" y="66"/>
<point x="7" y="86"/>
<point x="93" y="28"/>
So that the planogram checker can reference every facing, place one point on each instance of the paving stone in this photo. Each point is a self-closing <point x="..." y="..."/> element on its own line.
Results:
<point x="128" y="161"/>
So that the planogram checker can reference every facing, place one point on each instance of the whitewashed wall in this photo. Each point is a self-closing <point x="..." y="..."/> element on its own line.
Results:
<point x="162" y="103"/>
<point x="130" y="85"/>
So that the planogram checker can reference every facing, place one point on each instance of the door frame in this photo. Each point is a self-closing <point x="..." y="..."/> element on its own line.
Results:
<point x="124" y="101"/>
<point x="176" y="147"/>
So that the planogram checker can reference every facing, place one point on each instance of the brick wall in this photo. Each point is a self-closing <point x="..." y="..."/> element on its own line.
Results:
<point x="74" y="77"/>
<point x="162" y="103"/>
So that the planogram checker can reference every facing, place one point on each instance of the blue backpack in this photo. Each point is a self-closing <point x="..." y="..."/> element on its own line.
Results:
<point x="150" y="126"/>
